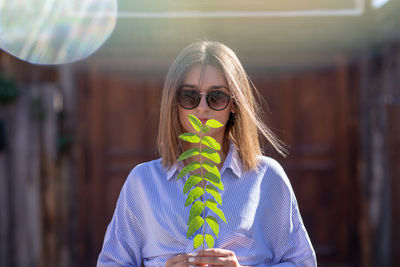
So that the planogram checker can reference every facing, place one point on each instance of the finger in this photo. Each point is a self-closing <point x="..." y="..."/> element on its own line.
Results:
<point x="215" y="252"/>
<point x="202" y="260"/>
<point x="181" y="258"/>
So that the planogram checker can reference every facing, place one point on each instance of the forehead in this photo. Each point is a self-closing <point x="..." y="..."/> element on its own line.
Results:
<point x="205" y="75"/>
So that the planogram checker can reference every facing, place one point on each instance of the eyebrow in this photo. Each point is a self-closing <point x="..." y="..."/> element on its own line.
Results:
<point x="210" y="88"/>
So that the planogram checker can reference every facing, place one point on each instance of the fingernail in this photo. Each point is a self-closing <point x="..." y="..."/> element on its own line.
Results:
<point x="191" y="265"/>
<point x="194" y="254"/>
<point x="191" y="259"/>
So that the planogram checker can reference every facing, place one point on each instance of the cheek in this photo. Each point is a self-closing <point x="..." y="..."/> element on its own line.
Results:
<point x="225" y="117"/>
<point x="183" y="119"/>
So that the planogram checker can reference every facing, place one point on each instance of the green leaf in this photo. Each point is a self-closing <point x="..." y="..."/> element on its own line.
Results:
<point x="190" y="137"/>
<point x="213" y="123"/>
<point x="214" y="180"/>
<point x="212" y="205"/>
<point x="196" y="210"/>
<point x="198" y="241"/>
<point x="190" y="182"/>
<point x="209" y="164"/>
<point x="196" y="123"/>
<point x="205" y="129"/>
<point x="213" y="223"/>
<point x="189" y="153"/>
<point x="210" y="167"/>
<point x="189" y="168"/>
<point x="211" y="142"/>
<point x="194" y="225"/>
<point x="193" y="195"/>
<point x="210" y="154"/>
<point x="214" y="192"/>
<point x="209" y="176"/>
<point x="210" y="241"/>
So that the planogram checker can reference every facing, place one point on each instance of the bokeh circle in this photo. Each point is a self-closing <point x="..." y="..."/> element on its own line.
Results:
<point x="55" y="31"/>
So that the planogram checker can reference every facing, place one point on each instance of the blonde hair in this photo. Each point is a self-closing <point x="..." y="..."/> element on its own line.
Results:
<point x="246" y="127"/>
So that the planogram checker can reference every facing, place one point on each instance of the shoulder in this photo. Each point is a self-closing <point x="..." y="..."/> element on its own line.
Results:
<point x="146" y="171"/>
<point x="141" y="180"/>
<point x="149" y="166"/>
<point x="273" y="176"/>
<point x="270" y="166"/>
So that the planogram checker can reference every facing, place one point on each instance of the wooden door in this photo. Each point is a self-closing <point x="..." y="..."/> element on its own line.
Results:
<point x="313" y="113"/>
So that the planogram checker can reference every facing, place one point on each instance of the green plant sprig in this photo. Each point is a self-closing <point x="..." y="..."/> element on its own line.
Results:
<point x="210" y="178"/>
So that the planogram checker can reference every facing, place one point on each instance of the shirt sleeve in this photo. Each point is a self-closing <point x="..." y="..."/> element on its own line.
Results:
<point x="123" y="238"/>
<point x="287" y="237"/>
<point x="299" y="250"/>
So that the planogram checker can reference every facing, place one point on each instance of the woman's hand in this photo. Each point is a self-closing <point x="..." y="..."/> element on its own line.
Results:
<point x="214" y="257"/>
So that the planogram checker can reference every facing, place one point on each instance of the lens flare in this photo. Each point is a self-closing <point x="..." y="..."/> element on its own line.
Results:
<point x="55" y="31"/>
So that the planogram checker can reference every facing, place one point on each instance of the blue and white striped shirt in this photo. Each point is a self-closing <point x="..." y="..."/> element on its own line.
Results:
<point x="264" y="224"/>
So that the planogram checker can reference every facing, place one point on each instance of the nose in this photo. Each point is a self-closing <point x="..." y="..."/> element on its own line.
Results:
<point x="203" y="102"/>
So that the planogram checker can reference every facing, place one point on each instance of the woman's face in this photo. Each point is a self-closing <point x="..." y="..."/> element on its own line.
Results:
<point x="205" y="79"/>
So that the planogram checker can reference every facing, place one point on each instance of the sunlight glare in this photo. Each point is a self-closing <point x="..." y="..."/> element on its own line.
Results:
<point x="55" y="31"/>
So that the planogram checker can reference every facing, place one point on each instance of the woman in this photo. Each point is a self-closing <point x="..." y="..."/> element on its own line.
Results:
<point x="264" y="224"/>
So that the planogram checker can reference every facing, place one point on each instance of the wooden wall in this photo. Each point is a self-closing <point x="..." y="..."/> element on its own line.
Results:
<point x="61" y="168"/>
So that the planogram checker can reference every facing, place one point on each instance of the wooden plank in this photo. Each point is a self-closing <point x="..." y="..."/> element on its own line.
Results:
<point x="50" y="197"/>
<point x="342" y="155"/>
<point x="5" y="182"/>
<point x="25" y="165"/>
<point x="83" y="165"/>
<point x="393" y="139"/>
<point x="96" y="148"/>
<point x="392" y="102"/>
<point x="376" y="84"/>
<point x="364" y="170"/>
<point x="68" y="161"/>
<point x="5" y="214"/>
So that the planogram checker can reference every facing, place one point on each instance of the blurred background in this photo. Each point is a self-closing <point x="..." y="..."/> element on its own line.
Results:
<point x="329" y="72"/>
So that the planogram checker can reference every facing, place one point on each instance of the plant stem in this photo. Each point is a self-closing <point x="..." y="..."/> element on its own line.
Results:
<point x="203" y="198"/>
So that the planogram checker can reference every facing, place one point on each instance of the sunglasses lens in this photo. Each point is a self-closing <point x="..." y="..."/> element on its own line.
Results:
<point x="218" y="100"/>
<point x="189" y="99"/>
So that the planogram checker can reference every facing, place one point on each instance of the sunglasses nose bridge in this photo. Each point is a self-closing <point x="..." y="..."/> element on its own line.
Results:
<point x="203" y="101"/>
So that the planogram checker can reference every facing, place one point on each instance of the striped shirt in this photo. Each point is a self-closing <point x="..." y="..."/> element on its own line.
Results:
<point x="264" y="226"/>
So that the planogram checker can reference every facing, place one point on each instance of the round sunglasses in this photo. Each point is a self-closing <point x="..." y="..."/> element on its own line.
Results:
<point x="190" y="99"/>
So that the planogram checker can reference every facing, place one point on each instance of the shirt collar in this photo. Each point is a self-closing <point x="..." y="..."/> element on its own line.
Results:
<point x="232" y="161"/>
<point x="171" y="171"/>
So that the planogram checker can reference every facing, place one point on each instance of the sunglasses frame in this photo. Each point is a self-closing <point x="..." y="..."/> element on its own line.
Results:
<point x="199" y="99"/>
